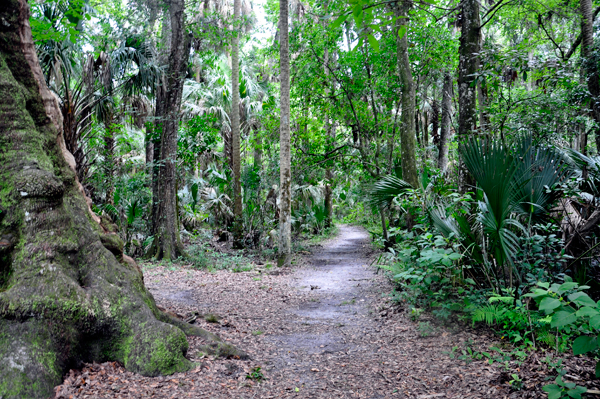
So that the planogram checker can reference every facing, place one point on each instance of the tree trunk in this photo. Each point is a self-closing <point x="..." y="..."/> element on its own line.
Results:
<point x="446" y="118"/>
<point x="590" y="63"/>
<point x="109" y="159"/>
<point x="167" y="242"/>
<point x="330" y="145"/>
<point x="235" y="129"/>
<point x="285" y="168"/>
<point x="67" y="292"/>
<point x="435" y="121"/>
<point x="149" y="145"/>
<point x="425" y="129"/>
<point x="468" y="65"/>
<point x="258" y="152"/>
<point x="407" y="131"/>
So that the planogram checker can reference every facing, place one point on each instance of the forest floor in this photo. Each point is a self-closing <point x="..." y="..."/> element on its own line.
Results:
<point x="324" y="328"/>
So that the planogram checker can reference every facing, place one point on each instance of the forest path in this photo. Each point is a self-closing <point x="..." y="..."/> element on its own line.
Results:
<point x="322" y="329"/>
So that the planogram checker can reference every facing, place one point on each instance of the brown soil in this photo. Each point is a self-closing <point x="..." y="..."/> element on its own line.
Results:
<point x="324" y="330"/>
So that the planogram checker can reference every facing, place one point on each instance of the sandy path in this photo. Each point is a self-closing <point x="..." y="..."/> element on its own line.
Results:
<point x="324" y="330"/>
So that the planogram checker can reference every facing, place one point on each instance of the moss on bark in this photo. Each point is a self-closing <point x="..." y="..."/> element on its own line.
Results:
<point x="67" y="293"/>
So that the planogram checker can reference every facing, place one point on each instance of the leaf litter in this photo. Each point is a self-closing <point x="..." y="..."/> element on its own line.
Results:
<point x="326" y="329"/>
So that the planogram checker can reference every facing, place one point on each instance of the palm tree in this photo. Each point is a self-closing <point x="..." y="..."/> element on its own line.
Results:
<point x="285" y="174"/>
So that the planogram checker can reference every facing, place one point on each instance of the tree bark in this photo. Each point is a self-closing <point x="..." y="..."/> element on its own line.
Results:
<point x="446" y="118"/>
<point x="407" y="132"/>
<point x="149" y="143"/>
<point x="258" y="152"/>
<point x="235" y="129"/>
<point x="435" y="121"/>
<point x="109" y="159"/>
<point x="67" y="292"/>
<point x="167" y="242"/>
<point x="468" y="66"/>
<point x="590" y="63"/>
<point x="285" y="172"/>
<point x="330" y="145"/>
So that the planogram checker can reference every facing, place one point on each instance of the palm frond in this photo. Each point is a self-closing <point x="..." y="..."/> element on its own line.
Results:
<point x="386" y="189"/>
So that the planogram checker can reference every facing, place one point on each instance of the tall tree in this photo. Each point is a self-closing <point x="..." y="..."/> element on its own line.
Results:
<point x="470" y="46"/>
<point x="235" y="125"/>
<point x="167" y="241"/>
<point x="407" y="131"/>
<point x="442" y="162"/>
<point x="468" y="65"/>
<point x="67" y="292"/>
<point x="590" y="64"/>
<point x="285" y="167"/>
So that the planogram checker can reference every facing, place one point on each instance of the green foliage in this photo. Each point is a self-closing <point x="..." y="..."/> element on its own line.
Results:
<point x="386" y="189"/>
<point x="572" y="311"/>
<point x="256" y="374"/>
<point x="561" y="389"/>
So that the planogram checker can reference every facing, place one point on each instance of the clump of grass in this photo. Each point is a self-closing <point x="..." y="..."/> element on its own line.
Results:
<point x="198" y="257"/>
<point x="211" y="318"/>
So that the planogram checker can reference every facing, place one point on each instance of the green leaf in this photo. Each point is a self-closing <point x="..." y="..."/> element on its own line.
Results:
<point x="584" y="344"/>
<point x="564" y="287"/>
<point x="373" y="42"/>
<point x="401" y="31"/>
<point x="587" y="311"/>
<point x="543" y="285"/>
<point x="537" y="293"/>
<point x="553" y="390"/>
<point x="358" y="45"/>
<point x="548" y="304"/>
<point x="595" y="322"/>
<point x="576" y="392"/>
<point x="582" y="299"/>
<point x="563" y="318"/>
<point x="357" y="11"/>
<point x="339" y="21"/>
<point x="598" y="369"/>
<point x="455" y="256"/>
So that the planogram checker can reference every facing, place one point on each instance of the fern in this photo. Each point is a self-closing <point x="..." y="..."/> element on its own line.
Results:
<point x="487" y="313"/>
<point x="546" y="337"/>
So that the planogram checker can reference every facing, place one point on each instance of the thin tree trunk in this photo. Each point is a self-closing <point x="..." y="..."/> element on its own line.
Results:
<point x="407" y="131"/>
<point x="149" y="145"/>
<point x="425" y="129"/>
<point x="435" y="122"/>
<point x="590" y="63"/>
<point x="285" y="190"/>
<point x="468" y="66"/>
<point x="109" y="159"/>
<point x="235" y="129"/>
<point x="167" y="242"/>
<point x="446" y="118"/>
<point x="329" y="168"/>
<point x="67" y="293"/>
<point x="258" y="152"/>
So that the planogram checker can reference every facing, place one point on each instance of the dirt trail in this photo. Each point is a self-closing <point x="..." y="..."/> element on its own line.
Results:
<point x="325" y="330"/>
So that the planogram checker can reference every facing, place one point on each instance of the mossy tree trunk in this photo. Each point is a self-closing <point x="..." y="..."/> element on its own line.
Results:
<point x="67" y="293"/>
<point x="167" y="241"/>
<point x="408" y="131"/>
<point x="285" y="168"/>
